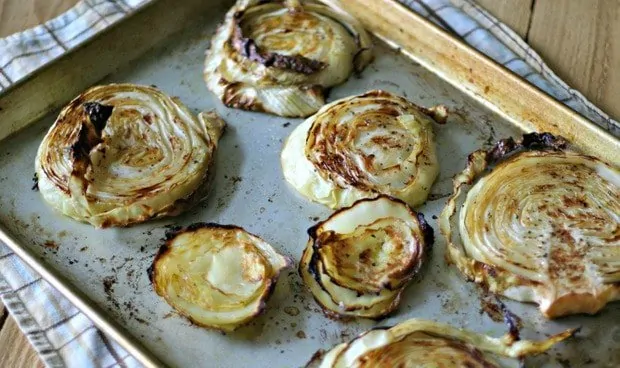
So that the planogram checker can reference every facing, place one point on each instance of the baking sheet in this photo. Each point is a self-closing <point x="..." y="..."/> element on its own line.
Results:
<point x="109" y="265"/>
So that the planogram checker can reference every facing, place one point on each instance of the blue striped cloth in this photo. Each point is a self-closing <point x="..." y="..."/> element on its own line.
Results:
<point x="22" y="53"/>
<point x="59" y="332"/>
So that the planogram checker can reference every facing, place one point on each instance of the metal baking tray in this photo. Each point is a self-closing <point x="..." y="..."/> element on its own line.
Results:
<point x="104" y="271"/>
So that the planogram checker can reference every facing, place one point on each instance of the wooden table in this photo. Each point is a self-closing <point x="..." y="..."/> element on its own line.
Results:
<point x="579" y="39"/>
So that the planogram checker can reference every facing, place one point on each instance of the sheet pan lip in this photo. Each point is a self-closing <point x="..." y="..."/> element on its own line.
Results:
<point x="101" y="319"/>
<point x="481" y="57"/>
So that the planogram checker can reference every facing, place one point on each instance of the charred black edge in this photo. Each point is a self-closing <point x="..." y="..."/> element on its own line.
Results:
<point x="87" y="138"/>
<point x="248" y="48"/>
<point x="501" y="149"/>
<point x="35" y="182"/>
<point x="316" y="358"/>
<point x="312" y="232"/>
<point x="312" y="264"/>
<point x="529" y="141"/>
<point x="428" y="234"/>
<point x="98" y="114"/>
<point x="333" y="315"/>
<point x="360" y="51"/>
<point x="172" y="233"/>
<point x="510" y="319"/>
<point x="376" y="328"/>
<point x="543" y="140"/>
<point x="427" y="230"/>
<point x="83" y="144"/>
<point x="150" y="271"/>
<point x="177" y="230"/>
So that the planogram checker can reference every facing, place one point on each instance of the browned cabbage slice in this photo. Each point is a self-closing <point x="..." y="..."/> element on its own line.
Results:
<point x="119" y="154"/>
<point x="358" y="261"/>
<point x="541" y="225"/>
<point x="218" y="276"/>
<point x="422" y="343"/>
<point x="280" y="56"/>
<point x="362" y="146"/>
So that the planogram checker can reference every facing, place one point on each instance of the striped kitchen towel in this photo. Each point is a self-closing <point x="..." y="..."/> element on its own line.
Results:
<point x="23" y="53"/>
<point x="61" y="334"/>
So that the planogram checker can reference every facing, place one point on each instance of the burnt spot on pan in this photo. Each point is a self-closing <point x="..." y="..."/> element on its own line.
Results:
<point x="502" y="148"/>
<point x="35" y="183"/>
<point x="543" y="141"/>
<point x="529" y="141"/>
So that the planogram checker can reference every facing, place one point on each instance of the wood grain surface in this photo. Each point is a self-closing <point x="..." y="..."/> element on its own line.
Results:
<point x="516" y="14"/>
<point x="15" y="350"/>
<point x="579" y="39"/>
<point x="3" y="315"/>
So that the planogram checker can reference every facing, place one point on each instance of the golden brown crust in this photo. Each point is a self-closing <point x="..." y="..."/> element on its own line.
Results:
<point x="326" y="142"/>
<point x="248" y="48"/>
<point x="431" y="349"/>
<point x="104" y="159"/>
<point x="417" y="342"/>
<point x="362" y="146"/>
<point x="560" y="219"/>
<point x="350" y="267"/>
<point x="282" y="59"/>
<point x="215" y="303"/>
